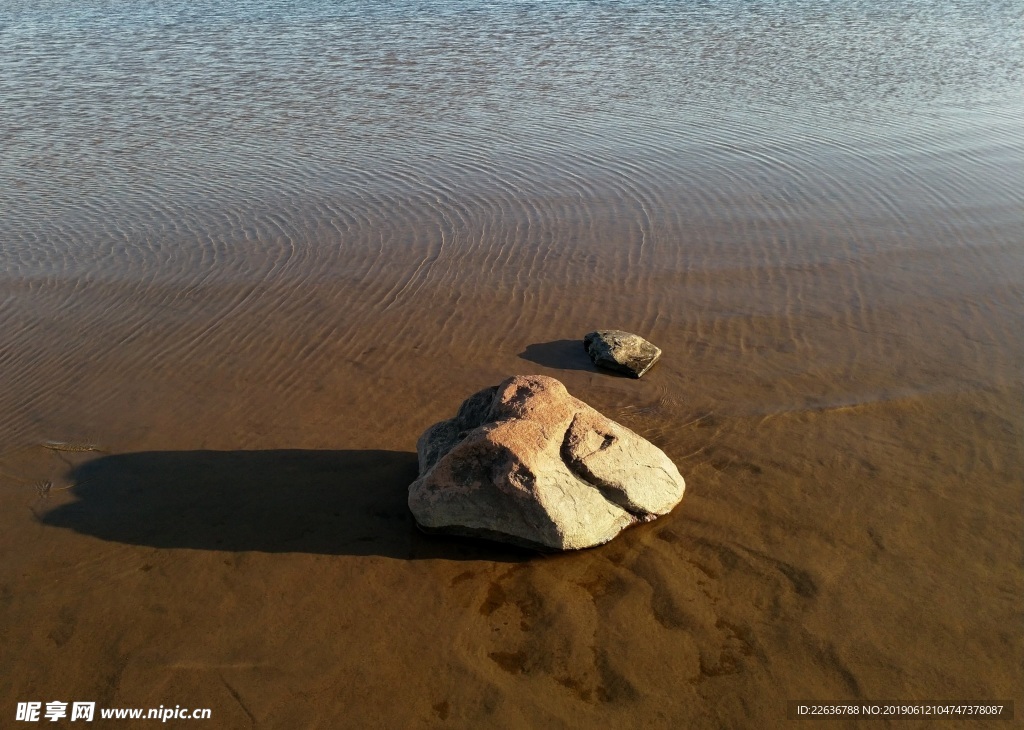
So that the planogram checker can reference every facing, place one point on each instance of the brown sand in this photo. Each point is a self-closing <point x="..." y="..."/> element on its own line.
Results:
<point x="841" y="314"/>
<point x="849" y="429"/>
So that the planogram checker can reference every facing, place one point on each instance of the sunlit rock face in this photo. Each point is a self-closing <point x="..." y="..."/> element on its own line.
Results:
<point x="526" y="463"/>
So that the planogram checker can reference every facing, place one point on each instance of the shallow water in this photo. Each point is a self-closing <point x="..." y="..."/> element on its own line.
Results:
<point x="252" y="251"/>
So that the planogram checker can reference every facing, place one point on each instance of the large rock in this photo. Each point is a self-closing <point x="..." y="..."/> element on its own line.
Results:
<point x="525" y="462"/>
<point x="621" y="351"/>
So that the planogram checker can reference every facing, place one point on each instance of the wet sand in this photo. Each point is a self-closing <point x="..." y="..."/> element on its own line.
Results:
<point x="839" y="301"/>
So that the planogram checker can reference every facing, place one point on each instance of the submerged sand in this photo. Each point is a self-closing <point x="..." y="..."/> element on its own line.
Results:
<point x="238" y="374"/>
<point x="849" y="430"/>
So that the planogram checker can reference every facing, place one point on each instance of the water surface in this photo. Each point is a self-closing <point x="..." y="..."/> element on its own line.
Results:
<point x="252" y="249"/>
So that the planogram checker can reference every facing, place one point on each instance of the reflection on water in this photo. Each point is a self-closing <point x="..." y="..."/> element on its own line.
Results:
<point x="250" y="182"/>
<point x="246" y="185"/>
<point x="138" y="120"/>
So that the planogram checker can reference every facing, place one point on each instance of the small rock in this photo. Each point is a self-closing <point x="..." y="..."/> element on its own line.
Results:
<point x="526" y="463"/>
<point x="621" y="351"/>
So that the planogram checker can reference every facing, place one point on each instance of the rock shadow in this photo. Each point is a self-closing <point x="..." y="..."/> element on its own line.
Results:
<point x="565" y="355"/>
<point x="281" y="501"/>
<point x="560" y="354"/>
